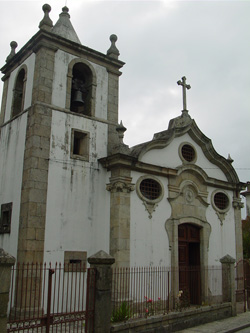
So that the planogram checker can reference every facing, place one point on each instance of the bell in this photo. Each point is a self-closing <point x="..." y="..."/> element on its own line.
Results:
<point x="77" y="100"/>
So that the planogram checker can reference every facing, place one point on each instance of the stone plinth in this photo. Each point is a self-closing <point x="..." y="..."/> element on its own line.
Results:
<point x="6" y="262"/>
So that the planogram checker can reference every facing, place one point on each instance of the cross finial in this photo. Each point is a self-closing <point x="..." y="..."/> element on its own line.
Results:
<point x="184" y="87"/>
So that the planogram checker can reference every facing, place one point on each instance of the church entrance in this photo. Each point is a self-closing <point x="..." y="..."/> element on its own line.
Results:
<point x="189" y="262"/>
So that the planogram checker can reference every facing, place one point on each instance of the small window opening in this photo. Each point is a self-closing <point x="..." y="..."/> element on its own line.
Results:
<point x="221" y="200"/>
<point x="150" y="189"/>
<point x="188" y="153"/>
<point x="81" y="89"/>
<point x="5" y="222"/>
<point x="75" y="261"/>
<point x="80" y="145"/>
<point x="18" y="94"/>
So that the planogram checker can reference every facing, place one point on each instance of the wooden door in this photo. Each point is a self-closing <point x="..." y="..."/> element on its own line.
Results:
<point x="189" y="262"/>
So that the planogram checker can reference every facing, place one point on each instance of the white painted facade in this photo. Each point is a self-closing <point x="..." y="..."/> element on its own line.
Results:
<point x="92" y="204"/>
<point x="149" y="239"/>
<point x="30" y="64"/>
<point x="11" y="162"/>
<point x="79" y="216"/>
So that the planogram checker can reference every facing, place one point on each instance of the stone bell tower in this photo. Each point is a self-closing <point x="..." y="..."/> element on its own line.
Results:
<point x="58" y="117"/>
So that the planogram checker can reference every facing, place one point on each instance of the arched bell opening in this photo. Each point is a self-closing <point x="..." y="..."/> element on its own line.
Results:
<point x="18" y="93"/>
<point x="81" y="89"/>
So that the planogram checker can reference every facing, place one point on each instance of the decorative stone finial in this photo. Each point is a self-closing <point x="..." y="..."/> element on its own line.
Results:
<point x="64" y="28"/>
<point x="113" y="51"/>
<point x="229" y="158"/>
<point x="121" y="130"/>
<point x="13" y="46"/>
<point x="46" y="22"/>
<point x="65" y="11"/>
<point x="121" y="147"/>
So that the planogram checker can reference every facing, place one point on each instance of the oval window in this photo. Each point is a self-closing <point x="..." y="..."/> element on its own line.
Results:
<point x="188" y="153"/>
<point x="221" y="200"/>
<point x="150" y="189"/>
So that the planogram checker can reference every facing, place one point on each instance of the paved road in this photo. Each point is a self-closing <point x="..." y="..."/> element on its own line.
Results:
<point x="245" y="330"/>
<point x="240" y="323"/>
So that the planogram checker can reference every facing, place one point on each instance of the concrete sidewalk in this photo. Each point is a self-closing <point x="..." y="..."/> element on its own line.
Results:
<point x="229" y="325"/>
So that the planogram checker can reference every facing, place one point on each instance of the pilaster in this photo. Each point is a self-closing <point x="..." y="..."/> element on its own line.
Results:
<point x="36" y="162"/>
<point x="237" y="204"/>
<point x="120" y="187"/>
<point x="4" y="100"/>
<point x="113" y="93"/>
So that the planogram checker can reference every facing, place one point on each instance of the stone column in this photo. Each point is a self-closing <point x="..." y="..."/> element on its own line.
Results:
<point x="228" y="281"/>
<point x="113" y="91"/>
<point x="6" y="262"/>
<point x="102" y="262"/>
<point x="4" y="99"/>
<point x="120" y="187"/>
<point x="36" y="161"/>
<point x="237" y="204"/>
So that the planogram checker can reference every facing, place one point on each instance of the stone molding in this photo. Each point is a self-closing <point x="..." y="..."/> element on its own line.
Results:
<point x="46" y="38"/>
<point x="120" y="184"/>
<point x="150" y="205"/>
<point x="237" y="204"/>
<point x="93" y="83"/>
<point x="163" y="139"/>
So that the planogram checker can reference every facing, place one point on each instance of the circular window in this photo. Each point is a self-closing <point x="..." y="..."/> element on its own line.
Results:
<point x="188" y="153"/>
<point x="149" y="189"/>
<point x="221" y="200"/>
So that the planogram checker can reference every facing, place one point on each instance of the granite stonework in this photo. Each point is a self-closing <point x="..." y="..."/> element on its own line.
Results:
<point x="6" y="263"/>
<point x="174" y="321"/>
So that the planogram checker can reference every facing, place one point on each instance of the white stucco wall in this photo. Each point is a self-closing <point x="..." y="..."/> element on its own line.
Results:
<point x="11" y="166"/>
<point x="149" y="241"/>
<point x="222" y="237"/>
<point x="169" y="157"/>
<point x="30" y="63"/>
<point x="78" y="207"/>
<point x="62" y="60"/>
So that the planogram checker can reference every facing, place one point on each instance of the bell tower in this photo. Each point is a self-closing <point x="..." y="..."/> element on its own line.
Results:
<point x="59" y="116"/>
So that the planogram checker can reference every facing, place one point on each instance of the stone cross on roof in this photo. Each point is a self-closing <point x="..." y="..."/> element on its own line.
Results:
<point x="184" y="87"/>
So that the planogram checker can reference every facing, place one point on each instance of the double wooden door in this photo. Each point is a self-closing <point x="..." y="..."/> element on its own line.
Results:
<point x="189" y="262"/>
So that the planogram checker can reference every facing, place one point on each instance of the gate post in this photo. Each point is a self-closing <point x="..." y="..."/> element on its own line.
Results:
<point x="6" y="262"/>
<point x="102" y="263"/>
<point x="228" y="281"/>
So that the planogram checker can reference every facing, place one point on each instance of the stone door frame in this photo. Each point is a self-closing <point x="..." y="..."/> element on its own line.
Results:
<point x="172" y="231"/>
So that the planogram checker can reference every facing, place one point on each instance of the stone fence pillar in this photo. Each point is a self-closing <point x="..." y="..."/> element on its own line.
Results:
<point x="6" y="262"/>
<point x="102" y="262"/>
<point x="228" y="281"/>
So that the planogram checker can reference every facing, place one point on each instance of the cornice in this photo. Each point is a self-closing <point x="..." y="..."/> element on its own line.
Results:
<point x="132" y="163"/>
<point x="163" y="139"/>
<point x="51" y="40"/>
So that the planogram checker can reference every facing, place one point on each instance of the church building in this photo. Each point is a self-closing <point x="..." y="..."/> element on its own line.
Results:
<point x="70" y="186"/>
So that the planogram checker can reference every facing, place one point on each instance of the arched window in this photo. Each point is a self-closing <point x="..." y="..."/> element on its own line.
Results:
<point x="81" y="89"/>
<point x="18" y="93"/>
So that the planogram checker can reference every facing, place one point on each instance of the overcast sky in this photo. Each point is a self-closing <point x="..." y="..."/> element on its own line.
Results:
<point x="161" y="41"/>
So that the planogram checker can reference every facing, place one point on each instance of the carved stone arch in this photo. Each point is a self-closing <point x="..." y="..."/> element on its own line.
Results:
<point x="171" y="226"/>
<point x="19" y="91"/>
<point x="195" y="170"/>
<point x="89" y="88"/>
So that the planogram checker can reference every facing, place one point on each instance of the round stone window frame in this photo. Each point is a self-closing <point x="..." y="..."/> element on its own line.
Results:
<point x="214" y="205"/>
<point x="142" y="197"/>
<point x="182" y="157"/>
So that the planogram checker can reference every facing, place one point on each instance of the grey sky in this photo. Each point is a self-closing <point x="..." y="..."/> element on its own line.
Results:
<point x="160" y="41"/>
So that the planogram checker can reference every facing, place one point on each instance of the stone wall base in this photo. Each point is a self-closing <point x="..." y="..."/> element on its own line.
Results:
<point x="175" y="321"/>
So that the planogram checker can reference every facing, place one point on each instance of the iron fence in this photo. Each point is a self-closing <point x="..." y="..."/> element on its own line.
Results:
<point x="144" y="291"/>
<point x="46" y="299"/>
